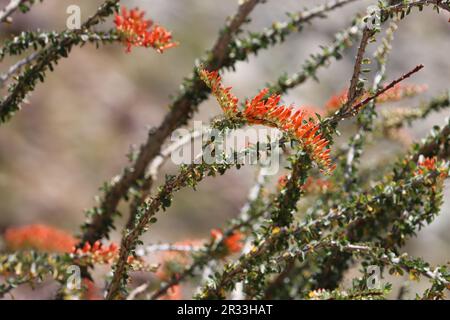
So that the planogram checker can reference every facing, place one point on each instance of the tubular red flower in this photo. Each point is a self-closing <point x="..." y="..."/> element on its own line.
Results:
<point x="139" y="32"/>
<point x="396" y="93"/>
<point x="266" y="110"/>
<point x="98" y="252"/>
<point x="232" y="243"/>
<point x="174" y="293"/>
<point x="39" y="237"/>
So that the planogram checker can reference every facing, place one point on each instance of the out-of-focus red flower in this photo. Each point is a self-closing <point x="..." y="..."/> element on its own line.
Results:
<point x="428" y="163"/>
<point x="173" y="293"/>
<point x="39" y="237"/>
<point x="139" y="32"/>
<point x="311" y="111"/>
<point x="270" y="113"/>
<point x="401" y="91"/>
<point x="233" y="243"/>
<point x="98" y="252"/>
<point x="396" y="93"/>
<point x="92" y="291"/>
<point x="172" y="263"/>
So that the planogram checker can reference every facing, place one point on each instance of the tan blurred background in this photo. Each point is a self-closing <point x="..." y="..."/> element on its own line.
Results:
<point x="78" y="126"/>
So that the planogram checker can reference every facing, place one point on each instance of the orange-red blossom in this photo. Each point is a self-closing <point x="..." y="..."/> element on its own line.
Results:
<point x="396" y="93"/>
<point x="139" y="32"/>
<point x="266" y="109"/>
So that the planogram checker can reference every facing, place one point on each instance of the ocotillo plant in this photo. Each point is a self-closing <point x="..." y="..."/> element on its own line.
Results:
<point x="305" y="225"/>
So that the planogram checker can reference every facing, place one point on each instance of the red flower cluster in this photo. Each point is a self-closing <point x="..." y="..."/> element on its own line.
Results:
<point x="172" y="262"/>
<point x="336" y="101"/>
<point x="139" y="32"/>
<point x="396" y="93"/>
<point x="233" y="243"/>
<point x="97" y="252"/>
<point x="39" y="237"/>
<point x="227" y="101"/>
<point x="265" y="109"/>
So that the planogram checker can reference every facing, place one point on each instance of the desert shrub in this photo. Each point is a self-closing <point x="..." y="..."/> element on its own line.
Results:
<point x="293" y="240"/>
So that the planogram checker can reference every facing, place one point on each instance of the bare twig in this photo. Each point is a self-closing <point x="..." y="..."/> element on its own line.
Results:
<point x="10" y="8"/>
